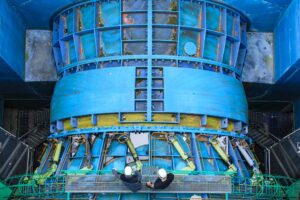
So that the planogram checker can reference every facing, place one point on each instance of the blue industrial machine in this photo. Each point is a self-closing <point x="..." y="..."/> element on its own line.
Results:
<point x="151" y="84"/>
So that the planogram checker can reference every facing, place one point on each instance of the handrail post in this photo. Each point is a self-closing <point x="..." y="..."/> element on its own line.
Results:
<point x="68" y="196"/>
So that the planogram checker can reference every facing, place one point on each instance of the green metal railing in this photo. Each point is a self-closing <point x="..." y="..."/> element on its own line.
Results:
<point x="294" y="191"/>
<point x="264" y="187"/>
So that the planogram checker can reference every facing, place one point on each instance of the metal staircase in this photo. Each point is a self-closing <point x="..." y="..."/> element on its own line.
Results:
<point x="286" y="154"/>
<point x="281" y="154"/>
<point x="35" y="136"/>
<point x="40" y="131"/>
<point x="15" y="155"/>
<point x="259" y="130"/>
<point x="262" y="137"/>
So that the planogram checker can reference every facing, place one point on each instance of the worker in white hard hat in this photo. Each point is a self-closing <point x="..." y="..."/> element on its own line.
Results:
<point x="163" y="181"/>
<point x="130" y="179"/>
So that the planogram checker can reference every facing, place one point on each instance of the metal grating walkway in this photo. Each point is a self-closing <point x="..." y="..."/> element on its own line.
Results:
<point x="107" y="183"/>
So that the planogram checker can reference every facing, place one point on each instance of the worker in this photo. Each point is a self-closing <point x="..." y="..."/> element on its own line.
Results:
<point x="163" y="181"/>
<point x="132" y="181"/>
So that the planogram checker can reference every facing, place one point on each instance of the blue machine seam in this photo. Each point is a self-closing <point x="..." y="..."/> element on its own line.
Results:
<point x="162" y="57"/>
<point x="147" y="129"/>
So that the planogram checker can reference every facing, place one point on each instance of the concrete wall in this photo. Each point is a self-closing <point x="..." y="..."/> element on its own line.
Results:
<point x="39" y="65"/>
<point x="259" y="62"/>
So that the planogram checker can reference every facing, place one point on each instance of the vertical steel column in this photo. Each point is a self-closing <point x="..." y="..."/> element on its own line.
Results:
<point x="267" y="160"/>
<point x="101" y="155"/>
<point x="269" y="155"/>
<point x="149" y="62"/>
<point x="226" y="196"/>
<point x="68" y="196"/>
<point x="196" y="153"/>
<point x="28" y="161"/>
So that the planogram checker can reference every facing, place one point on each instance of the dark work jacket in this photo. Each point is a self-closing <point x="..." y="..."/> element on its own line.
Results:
<point x="162" y="185"/>
<point x="133" y="183"/>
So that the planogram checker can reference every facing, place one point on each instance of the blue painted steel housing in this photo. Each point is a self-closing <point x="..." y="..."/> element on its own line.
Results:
<point x="108" y="63"/>
<point x="187" y="59"/>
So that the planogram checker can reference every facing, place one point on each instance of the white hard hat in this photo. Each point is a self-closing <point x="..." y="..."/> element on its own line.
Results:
<point x="128" y="171"/>
<point x="162" y="173"/>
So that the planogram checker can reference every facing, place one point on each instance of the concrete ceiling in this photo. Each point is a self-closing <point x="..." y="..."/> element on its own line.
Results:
<point x="263" y="14"/>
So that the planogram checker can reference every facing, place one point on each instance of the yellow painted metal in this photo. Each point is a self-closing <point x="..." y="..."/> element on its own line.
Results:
<point x="124" y="138"/>
<point x="84" y="121"/>
<point x="57" y="152"/>
<point x="134" y="117"/>
<point x="190" y="164"/>
<point x="213" y="123"/>
<point x="164" y="117"/>
<point x="154" y="124"/>
<point x="219" y="150"/>
<point x="67" y="124"/>
<point x="232" y="168"/>
<point x="230" y="125"/>
<point x="108" y="120"/>
<point x="163" y="136"/>
<point x="222" y="154"/>
<point x="41" y="178"/>
<point x="190" y="120"/>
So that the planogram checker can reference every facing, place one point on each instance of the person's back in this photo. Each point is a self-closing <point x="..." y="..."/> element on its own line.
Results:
<point x="163" y="180"/>
<point x="159" y="184"/>
<point x="133" y="182"/>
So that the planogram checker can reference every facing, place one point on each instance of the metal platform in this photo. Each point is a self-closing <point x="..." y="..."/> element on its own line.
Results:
<point x="108" y="183"/>
<point x="69" y="184"/>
